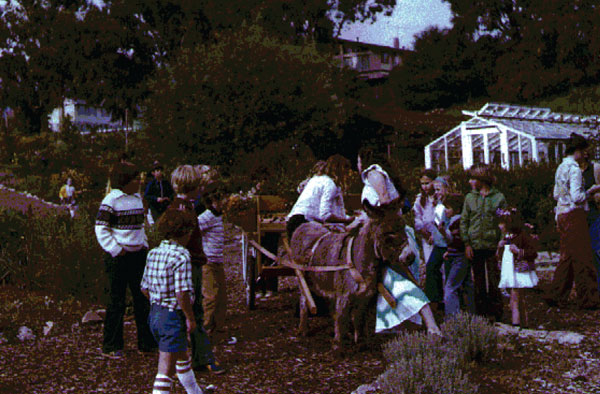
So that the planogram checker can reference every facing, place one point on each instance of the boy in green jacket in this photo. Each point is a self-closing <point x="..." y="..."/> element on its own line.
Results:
<point x="481" y="235"/>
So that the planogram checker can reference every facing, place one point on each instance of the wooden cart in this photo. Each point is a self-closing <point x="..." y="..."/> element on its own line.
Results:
<point x="267" y="216"/>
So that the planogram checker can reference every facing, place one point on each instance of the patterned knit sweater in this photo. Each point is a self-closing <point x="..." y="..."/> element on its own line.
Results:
<point x="120" y="223"/>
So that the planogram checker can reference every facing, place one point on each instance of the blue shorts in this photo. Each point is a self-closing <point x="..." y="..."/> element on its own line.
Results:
<point x="168" y="328"/>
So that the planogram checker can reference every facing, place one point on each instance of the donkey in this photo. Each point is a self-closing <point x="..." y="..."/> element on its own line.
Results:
<point x="381" y="238"/>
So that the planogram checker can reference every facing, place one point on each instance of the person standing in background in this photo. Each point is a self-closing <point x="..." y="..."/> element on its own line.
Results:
<point x="576" y="259"/>
<point x="424" y="209"/>
<point x="159" y="192"/>
<point x="480" y="234"/>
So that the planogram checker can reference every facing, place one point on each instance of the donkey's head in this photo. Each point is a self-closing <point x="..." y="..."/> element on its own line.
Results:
<point x="387" y="227"/>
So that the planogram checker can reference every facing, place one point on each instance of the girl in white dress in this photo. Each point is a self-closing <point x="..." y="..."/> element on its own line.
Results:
<point x="516" y="252"/>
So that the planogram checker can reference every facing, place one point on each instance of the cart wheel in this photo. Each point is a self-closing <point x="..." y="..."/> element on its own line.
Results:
<point x="250" y="271"/>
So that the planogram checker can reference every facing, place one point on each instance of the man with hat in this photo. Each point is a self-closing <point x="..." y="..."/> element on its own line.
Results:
<point x="576" y="259"/>
<point x="480" y="234"/>
<point x="159" y="192"/>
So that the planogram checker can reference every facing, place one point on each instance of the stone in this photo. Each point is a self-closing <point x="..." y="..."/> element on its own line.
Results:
<point x="555" y="335"/>
<point x="91" y="317"/>
<point x="366" y="388"/>
<point x="565" y="337"/>
<point x="25" y="334"/>
<point x="571" y="338"/>
<point x="537" y="334"/>
<point x="506" y="329"/>
<point x="48" y="327"/>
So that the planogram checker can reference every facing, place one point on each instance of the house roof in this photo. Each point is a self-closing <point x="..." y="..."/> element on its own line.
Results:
<point x="371" y="46"/>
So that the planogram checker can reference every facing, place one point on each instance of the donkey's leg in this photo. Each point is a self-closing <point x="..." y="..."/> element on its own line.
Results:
<point x="358" y="321"/>
<point x="341" y="317"/>
<point x="303" y="325"/>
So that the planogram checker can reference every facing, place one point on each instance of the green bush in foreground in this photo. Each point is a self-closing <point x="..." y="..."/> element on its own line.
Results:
<point x="408" y="344"/>
<point x="472" y="336"/>
<point x="423" y="364"/>
<point x="426" y="373"/>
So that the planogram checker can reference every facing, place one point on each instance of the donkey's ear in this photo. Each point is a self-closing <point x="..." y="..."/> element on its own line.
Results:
<point x="373" y="212"/>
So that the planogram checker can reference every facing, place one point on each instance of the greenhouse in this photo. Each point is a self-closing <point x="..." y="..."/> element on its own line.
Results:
<point x="508" y="135"/>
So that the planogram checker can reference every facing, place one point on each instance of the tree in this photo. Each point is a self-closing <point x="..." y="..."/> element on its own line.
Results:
<point x="445" y="67"/>
<point x="33" y="67"/>
<point x="544" y="46"/>
<point x="57" y="49"/>
<point x="236" y="95"/>
<point x="318" y="20"/>
<point x="71" y="48"/>
<point x="183" y="24"/>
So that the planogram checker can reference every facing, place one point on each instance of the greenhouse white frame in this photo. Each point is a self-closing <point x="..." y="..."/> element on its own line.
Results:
<point x="508" y="135"/>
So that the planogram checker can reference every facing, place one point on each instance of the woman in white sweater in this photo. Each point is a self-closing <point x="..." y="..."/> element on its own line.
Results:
<point x="322" y="198"/>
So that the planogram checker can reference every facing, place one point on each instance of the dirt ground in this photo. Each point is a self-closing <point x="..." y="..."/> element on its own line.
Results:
<point x="268" y="356"/>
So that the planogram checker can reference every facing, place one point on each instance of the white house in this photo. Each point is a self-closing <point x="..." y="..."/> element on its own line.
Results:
<point x="85" y="118"/>
<point x="372" y="61"/>
<point x="508" y="135"/>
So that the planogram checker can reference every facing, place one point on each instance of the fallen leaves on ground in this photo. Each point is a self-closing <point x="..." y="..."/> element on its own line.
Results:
<point x="268" y="356"/>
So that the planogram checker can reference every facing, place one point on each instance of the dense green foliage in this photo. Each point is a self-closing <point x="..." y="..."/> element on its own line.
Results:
<point x="222" y="99"/>
<point x="52" y="253"/>
<point x="107" y="55"/>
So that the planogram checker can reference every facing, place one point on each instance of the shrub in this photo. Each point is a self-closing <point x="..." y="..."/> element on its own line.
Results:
<point x="52" y="252"/>
<point x="408" y="344"/>
<point x="422" y="363"/>
<point x="425" y="373"/>
<point x="472" y="337"/>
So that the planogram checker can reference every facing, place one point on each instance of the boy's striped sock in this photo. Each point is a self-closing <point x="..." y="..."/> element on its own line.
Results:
<point x="162" y="384"/>
<point x="186" y="376"/>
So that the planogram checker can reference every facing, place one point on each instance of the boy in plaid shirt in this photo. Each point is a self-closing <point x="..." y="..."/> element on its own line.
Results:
<point x="167" y="282"/>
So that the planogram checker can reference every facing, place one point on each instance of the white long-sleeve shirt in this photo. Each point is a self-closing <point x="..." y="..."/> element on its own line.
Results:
<point x="120" y="223"/>
<point x="320" y="199"/>
<point x="568" y="187"/>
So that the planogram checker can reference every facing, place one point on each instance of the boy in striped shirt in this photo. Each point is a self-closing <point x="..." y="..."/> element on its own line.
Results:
<point x="214" y="294"/>
<point x="167" y="283"/>
<point x="120" y="232"/>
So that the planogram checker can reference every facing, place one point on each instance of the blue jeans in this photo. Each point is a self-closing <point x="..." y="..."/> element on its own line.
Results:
<point x="457" y="273"/>
<point x="433" y="275"/>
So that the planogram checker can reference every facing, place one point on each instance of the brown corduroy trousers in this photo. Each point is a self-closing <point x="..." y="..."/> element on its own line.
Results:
<point x="214" y="297"/>
<point x="576" y="261"/>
